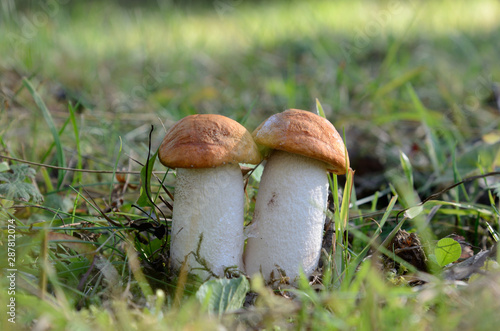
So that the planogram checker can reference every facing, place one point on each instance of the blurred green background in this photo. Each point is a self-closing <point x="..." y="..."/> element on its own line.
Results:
<point x="411" y="76"/>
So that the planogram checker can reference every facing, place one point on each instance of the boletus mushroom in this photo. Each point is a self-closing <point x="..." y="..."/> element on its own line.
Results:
<point x="291" y="202"/>
<point x="208" y="210"/>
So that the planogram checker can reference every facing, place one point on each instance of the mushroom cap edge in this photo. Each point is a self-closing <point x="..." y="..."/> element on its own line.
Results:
<point x="207" y="140"/>
<point x="305" y="133"/>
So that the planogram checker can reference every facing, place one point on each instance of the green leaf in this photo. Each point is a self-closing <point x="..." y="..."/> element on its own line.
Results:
<point x="413" y="212"/>
<point x="16" y="184"/>
<point x="222" y="295"/>
<point x="4" y="166"/>
<point x="447" y="251"/>
<point x="257" y="173"/>
<point x="146" y="171"/>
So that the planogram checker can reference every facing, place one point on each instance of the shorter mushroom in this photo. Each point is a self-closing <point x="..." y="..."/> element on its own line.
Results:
<point x="289" y="214"/>
<point x="209" y="192"/>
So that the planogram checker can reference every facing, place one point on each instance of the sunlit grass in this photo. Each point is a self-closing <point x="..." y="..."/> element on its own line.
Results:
<point x="406" y="78"/>
<point x="105" y="31"/>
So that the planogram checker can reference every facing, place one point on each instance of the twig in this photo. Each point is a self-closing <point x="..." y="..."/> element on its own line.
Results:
<point x="74" y="169"/>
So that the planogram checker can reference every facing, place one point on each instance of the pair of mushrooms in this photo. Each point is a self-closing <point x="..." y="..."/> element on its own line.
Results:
<point x="286" y="231"/>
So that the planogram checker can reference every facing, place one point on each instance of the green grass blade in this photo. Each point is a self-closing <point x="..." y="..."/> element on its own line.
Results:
<point x="144" y="199"/>
<point x="53" y="144"/>
<point x="434" y="150"/>
<point x="353" y="265"/>
<point x="407" y="167"/>
<point x="114" y="171"/>
<point x="398" y="82"/>
<point x="61" y="161"/>
<point x="78" y="175"/>
<point x="319" y="109"/>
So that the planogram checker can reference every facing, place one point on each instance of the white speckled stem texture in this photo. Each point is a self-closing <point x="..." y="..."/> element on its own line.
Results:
<point x="208" y="201"/>
<point x="289" y="217"/>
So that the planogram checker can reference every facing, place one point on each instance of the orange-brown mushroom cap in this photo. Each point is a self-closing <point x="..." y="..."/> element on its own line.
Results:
<point x="206" y="141"/>
<point x="305" y="133"/>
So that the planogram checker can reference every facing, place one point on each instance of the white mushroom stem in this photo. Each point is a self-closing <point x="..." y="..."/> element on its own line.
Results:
<point x="289" y="217"/>
<point x="208" y="201"/>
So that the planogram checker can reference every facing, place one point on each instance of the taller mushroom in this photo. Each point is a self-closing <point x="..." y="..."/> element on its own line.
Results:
<point x="292" y="199"/>
<point x="209" y="191"/>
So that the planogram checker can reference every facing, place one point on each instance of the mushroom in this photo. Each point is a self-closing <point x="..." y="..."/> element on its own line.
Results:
<point x="209" y="193"/>
<point x="287" y="227"/>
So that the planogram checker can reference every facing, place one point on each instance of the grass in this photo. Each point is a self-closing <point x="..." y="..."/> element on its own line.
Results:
<point x="410" y="83"/>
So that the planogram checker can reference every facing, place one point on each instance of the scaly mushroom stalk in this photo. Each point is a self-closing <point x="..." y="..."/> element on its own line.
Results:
<point x="289" y="216"/>
<point x="208" y="202"/>
<point x="209" y="195"/>
<point x="286" y="232"/>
